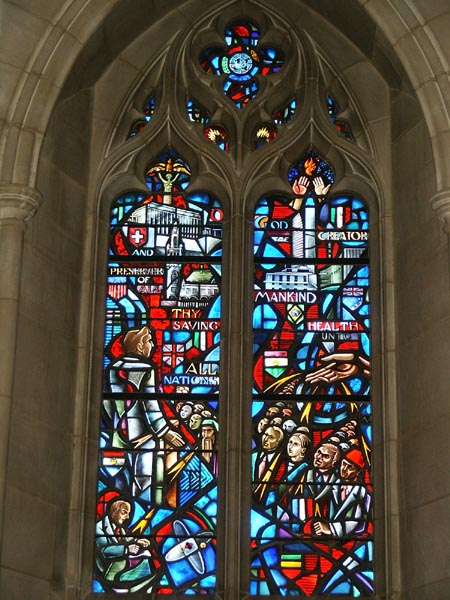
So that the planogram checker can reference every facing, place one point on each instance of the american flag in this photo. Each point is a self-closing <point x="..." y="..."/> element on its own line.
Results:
<point x="117" y="290"/>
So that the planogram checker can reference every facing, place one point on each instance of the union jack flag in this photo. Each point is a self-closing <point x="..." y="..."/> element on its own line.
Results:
<point x="354" y="291"/>
<point x="173" y="354"/>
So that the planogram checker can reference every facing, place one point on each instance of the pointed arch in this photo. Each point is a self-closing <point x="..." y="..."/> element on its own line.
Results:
<point x="245" y="174"/>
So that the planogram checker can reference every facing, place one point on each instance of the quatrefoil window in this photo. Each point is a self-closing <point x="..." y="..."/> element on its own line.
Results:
<point x="241" y="62"/>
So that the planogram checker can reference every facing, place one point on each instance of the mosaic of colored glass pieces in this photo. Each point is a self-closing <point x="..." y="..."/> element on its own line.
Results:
<point x="341" y="124"/>
<point x="157" y="472"/>
<point x="139" y="125"/>
<point x="265" y="133"/>
<point x="311" y="520"/>
<point x="241" y="61"/>
<point x="311" y="523"/>
<point x="285" y="114"/>
<point x="213" y="133"/>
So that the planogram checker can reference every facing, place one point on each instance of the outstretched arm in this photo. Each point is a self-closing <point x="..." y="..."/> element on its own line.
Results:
<point x="338" y="366"/>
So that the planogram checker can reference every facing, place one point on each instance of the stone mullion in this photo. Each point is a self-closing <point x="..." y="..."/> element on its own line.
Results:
<point x="17" y="205"/>
<point x="235" y="492"/>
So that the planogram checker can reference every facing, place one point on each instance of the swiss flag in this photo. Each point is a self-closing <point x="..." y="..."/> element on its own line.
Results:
<point x="137" y="235"/>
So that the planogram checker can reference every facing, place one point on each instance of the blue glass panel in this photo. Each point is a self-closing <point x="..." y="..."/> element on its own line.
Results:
<point x="312" y="434"/>
<point x="148" y="111"/>
<point x="157" y="472"/>
<point x="241" y="62"/>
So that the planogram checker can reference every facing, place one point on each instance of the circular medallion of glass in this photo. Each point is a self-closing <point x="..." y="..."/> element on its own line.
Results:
<point x="240" y="63"/>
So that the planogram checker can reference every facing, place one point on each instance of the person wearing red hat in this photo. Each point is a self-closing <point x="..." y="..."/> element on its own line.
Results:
<point x="349" y="518"/>
<point x="350" y="501"/>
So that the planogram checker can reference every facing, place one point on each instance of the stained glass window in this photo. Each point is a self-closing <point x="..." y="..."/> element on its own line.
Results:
<point x="311" y="520"/>
<point x="157" y="472"/>
<point x="217" y="135"/>
<point x="242" y="61"/>
<point x="285" y="114"/>
<point x="196" y="113"/>
<point x="148" y="111"/>
<point x="311" y="523"/>
<point x="341" y="124"/>
<point x="263" y="135"/>
<point x="213" y="133"/>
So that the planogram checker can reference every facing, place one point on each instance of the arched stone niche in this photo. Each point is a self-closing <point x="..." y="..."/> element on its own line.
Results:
<point x="94" y="90"/>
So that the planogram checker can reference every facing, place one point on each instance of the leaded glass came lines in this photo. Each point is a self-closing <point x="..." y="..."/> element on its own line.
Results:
<point x="157" y="472"/>
<point x="311" y="519"/>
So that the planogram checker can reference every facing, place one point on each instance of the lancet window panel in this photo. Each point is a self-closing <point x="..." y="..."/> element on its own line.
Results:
<point x="311" y="521"/>
<point x="157" y="472"/>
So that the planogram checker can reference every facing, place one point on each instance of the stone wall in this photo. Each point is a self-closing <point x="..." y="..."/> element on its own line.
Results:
<point x="41" y="445"/>
<point x="44" y="44"/>
<point x="422" y="290"/>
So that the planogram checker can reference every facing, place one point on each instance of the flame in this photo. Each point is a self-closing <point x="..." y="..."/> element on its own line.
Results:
<point x="263" y="132"/>
<point x="310" y="166"/>
<point x="215" y="135"/>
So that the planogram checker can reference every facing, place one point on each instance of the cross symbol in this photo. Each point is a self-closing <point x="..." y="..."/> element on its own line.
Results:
<point x="241" y="62"/>
<point x="137" y="236"/>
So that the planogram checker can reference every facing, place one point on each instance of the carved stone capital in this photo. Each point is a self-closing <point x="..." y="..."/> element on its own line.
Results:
<point x="18" y="202"/>
<point x="440" y="203"/>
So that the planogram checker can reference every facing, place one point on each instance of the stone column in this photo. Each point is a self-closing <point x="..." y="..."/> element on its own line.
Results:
<point x="440" y="203"/>
<point x="17" y="204"/>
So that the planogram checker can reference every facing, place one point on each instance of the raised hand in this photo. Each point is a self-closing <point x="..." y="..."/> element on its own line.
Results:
<point x="300" y="186"/>
<point x="319" y="187"/>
